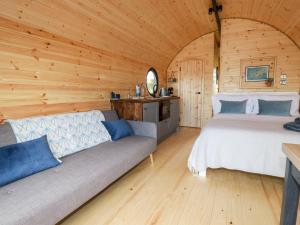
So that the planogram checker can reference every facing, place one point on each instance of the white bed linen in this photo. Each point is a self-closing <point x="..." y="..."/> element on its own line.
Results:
<point x="248" y="143"/>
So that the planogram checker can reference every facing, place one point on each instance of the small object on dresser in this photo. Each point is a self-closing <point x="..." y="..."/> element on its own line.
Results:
<point x="129" y="94"/>
<point x="138" y="90"/>
<point x="170" y="91"/>
<point x="115" y="95"/>
<point x="163" y="92"/>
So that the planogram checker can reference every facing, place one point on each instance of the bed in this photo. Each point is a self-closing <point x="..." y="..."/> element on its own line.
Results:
<point x="246" y="142"/>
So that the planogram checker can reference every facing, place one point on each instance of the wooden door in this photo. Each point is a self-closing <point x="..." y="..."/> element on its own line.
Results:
<point x="190" y="92"/>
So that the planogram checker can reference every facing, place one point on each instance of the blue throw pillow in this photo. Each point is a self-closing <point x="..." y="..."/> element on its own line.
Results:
<point x="233" y="107"/>
<point x="23" y="159"/>
<point x="274" y="108"/>
<point x="118" y="129"/>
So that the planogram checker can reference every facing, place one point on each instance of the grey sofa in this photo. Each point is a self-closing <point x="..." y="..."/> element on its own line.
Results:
<point x="47" y="197"/>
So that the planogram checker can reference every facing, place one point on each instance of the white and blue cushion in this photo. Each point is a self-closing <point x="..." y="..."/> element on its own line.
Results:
<point x="67" y="133"/>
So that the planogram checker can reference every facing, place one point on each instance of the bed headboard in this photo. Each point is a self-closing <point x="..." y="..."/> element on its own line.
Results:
<point x="252" y="97"/>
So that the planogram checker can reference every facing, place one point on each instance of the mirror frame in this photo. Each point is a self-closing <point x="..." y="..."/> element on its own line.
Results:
<point x="156" y="76"/>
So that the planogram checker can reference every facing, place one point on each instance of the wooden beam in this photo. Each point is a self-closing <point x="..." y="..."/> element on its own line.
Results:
<point x="218" y="21"/>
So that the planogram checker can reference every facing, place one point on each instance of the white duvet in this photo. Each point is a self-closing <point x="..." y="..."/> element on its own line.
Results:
<point x="248" y="143"/>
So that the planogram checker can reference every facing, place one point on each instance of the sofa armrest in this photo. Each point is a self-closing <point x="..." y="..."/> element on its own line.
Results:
<point x="141" y="128"/>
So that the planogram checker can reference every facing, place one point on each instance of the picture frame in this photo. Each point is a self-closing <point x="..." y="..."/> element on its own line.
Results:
<point x="257" y="73"/>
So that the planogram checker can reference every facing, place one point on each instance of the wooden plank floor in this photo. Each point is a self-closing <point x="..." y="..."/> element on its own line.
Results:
<point x="167" y="194"/>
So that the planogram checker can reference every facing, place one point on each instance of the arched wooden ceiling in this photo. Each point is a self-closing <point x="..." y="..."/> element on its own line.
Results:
<point x="148" y="31"/>
<point x="284" y="15"/>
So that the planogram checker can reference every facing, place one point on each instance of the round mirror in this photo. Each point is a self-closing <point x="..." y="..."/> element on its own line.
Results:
<point x="152" y="82"/>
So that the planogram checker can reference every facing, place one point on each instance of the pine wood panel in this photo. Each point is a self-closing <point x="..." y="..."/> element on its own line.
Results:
<point x="148" y="31"/>
<point x="202" y="49"/>
<point x="42" y="73"/>
<point x="281" y="14"/>
<point x="167" y="194"/>
<point x="130" y="27"/>
<point x="75" y="45"/>
<point x="246" y="39"/>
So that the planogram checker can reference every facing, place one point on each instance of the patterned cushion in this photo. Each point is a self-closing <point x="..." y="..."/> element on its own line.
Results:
<point x="66" y="133"/>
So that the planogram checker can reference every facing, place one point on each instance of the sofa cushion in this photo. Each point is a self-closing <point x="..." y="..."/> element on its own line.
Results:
<point x="24" y="159"/>
<point x="118" y="129"/>
<point x="7" y="136"/>
<point x="47" y="197"/>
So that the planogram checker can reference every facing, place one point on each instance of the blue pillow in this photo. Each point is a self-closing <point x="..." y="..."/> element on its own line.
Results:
<point x="274" y="108"/>
<point x="233" y="107"/>
<point x="118" y="129"/>
<point x="23" y="159"/>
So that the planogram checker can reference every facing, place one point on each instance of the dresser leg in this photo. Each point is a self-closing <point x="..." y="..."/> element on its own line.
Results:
<point x="151" y="159"/>
<point x="290" y="199"/>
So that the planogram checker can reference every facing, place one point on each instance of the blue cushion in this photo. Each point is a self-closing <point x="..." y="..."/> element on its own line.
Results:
<point x="23" y="159"/>
<point x="118" y="129"/>
<point x="292" y="126"/>
<point x="274" y="108"/>
<point x="233" y="107"/>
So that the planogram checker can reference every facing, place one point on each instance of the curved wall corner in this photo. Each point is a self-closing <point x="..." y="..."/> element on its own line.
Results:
<point x="248" y="39"/>
<point x="204" y="49"/>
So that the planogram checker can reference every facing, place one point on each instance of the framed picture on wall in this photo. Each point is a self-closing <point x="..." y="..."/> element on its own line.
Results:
<point x="257" y="72"/>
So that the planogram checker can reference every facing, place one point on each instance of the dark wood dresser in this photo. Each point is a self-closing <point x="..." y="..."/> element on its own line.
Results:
<point x="163" y="111"/>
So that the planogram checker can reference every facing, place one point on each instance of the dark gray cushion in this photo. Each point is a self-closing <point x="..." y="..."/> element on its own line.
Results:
<point x="274" y="108"/>
<point x="7" y="136"/>
<point x="110" y="115"/>
<point x="233" y="107"/>
<point x="47" y="197"/>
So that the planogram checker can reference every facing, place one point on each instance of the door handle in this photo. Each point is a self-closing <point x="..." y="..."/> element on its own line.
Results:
<point x="198" y="93"/>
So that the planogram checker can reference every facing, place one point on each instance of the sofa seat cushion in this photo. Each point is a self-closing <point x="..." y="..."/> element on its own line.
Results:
<point x="47" y="197"/>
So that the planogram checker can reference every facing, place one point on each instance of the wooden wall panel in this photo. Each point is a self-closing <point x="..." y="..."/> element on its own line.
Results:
<point x="42" y="73"/>
<point x="281" y="14"/>
<point x="55" y="52"/>
<point x="245" y="39"/>
<point x="147" y="31"/>
<point x="202" y="48"/>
